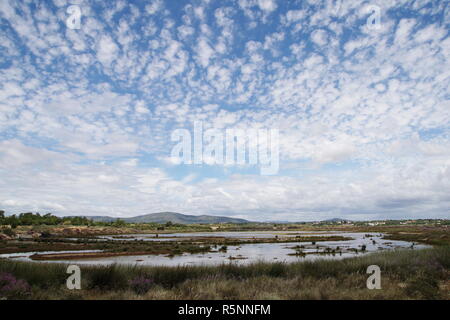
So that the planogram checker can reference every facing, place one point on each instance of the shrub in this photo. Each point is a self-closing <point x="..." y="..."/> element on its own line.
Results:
<point x="277" y="270"/>
<point x="107" y="278"/>
<point x="423" y="287"/>
<point x="9" y="232"/>
<point x="43" y="276"/>
<point x="12" y="288"/>
<point x="46" y="234"/>
<point x="141" y="284"/>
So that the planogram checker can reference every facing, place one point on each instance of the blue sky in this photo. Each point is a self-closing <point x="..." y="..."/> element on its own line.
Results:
<point x="359" y="91"/>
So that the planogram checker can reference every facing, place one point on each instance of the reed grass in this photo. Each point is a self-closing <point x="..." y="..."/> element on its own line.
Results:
<point x="406" y="274"/>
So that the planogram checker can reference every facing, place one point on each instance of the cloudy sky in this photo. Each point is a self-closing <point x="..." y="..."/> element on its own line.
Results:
<point x="361" y="104"/>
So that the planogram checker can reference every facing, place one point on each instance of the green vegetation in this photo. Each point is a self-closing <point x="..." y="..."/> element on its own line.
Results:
<point x="37" y="220"/>
<point x="437" y="236"/>
<point x="138" y="247"/>
<point x="31" y="219"/>
<point x="110" y="248"/>
<point x="48" y="221"/>
<point x="406" y="274"/>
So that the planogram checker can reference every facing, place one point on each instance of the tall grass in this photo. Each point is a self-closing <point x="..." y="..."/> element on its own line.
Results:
<point x="43" y="276"/>
<point x="416" y="274"/>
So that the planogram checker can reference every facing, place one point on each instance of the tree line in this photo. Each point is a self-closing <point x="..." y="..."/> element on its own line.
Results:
<point x="29" y="218"/>
<point x="35" y="219"/>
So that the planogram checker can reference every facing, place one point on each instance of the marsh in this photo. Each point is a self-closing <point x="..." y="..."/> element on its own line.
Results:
<point x="241" y="248"/>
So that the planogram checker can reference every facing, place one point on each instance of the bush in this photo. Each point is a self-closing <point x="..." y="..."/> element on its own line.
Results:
<point x="9" y="232"/>
<point x="277" y="270"/>
<point x="46" y="234"/>
<point x="141" y="284"/>
<point x="44" y="276"/>
<point x="423" y="287"/>
<point x="12" y="288"/>
<point x="107" y="278"/>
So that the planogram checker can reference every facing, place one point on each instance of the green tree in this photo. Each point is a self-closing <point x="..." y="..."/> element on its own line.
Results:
<point x="13" y="221"/>
<point x="119" y="223"/>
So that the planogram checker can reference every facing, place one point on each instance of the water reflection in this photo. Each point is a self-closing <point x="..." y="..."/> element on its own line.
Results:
<point x="244" y="253"/>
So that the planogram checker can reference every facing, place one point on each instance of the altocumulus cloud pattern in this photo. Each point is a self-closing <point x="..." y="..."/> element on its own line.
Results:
<point x="359" y="91"/>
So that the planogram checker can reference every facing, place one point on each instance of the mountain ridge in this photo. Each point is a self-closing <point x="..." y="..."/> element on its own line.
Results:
<point x="174" y="217"/>
<point x="335" y="220"/>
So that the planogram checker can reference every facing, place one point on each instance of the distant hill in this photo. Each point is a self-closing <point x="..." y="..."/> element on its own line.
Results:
<point x="174" y="217"/>
<point x="336" y="220"/>
<point x="101" y="218"/>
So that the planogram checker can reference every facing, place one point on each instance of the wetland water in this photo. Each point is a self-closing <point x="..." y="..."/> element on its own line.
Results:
<point x="243" y="253"/>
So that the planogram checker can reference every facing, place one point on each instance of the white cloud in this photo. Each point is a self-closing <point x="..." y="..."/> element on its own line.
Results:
<point x="267" y="5"/>
<point x="154" y="7"/>
<point x="107" y="50"/>
<point x="363" y="118"/>
<point x="204" y="52"/>
<point x="319" y="37"/>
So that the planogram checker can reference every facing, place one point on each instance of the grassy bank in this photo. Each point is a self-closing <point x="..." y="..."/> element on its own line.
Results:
<point x="405" y="274"/>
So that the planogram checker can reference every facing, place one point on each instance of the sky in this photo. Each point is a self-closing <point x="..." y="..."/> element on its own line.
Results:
<point x="358" y="91"/>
